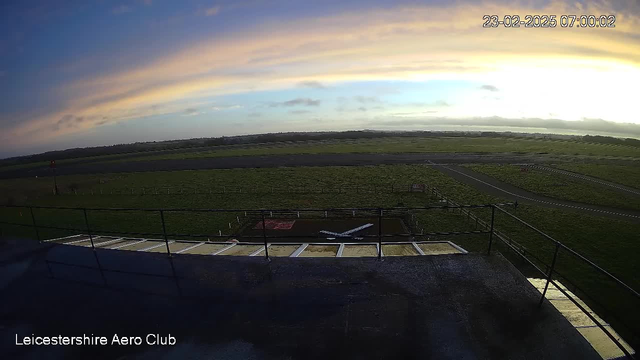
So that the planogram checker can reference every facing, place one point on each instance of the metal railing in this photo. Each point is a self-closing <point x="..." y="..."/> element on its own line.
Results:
<point x="230" y="189"/>
<point x="379" y="213"/>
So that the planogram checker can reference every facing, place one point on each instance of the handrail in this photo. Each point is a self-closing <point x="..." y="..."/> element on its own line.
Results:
<point x="581" y="257"/>
<point x="262" y="209"/>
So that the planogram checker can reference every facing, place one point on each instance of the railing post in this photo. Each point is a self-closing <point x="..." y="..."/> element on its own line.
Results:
<point x="380" y="234"/>
<point x="35" y="227"/>
<point x="493" y="214"/>
<point x="264" y="236"/>
<point x="86" y="221"/>
<point x="164" y="232"/>
<point x="553" y="265"/>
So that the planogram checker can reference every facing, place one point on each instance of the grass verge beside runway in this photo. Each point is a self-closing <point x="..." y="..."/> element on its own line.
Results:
<point x="559" y="186"/>
<point x="621" y="174"/>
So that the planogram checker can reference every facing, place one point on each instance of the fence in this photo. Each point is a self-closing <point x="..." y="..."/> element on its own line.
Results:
<point x="548" y="270"/>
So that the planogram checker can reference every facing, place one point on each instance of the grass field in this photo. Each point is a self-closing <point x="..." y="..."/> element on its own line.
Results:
<point x="483" y="145"/>
<point x="621" y="174"/>
<point x="559" y="186"/>
<point x="419" y="145"/>
<point x="610" y="243"/>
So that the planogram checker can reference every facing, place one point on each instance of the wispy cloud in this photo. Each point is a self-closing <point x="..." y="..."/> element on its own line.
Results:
<point x="191" y="112"/>
<point x="68" y="121"/>
<point x="212" y="11"/>
<point x="299" y="112"/>
<point x="296" y="102"/>
<point x="121" y="9"/>
<point x="225" y="107"/>
<point x="312" y="84"/>
<point x="489" y="88"/>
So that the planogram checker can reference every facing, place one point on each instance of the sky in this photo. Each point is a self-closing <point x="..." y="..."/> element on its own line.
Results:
<point x="90" y="73"/>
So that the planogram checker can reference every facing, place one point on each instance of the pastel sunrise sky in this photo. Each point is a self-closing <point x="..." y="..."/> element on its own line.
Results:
<point x="87" y="73"/>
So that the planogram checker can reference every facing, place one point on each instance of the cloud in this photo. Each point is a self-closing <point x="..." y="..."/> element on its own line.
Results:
<point x="226" y="107"/>
<point x="296" y="102"/>
<point x="442" y="103"/>
<point x="299" y="112"/>
<point x="362" y="108"/>
<point x="212" y="11"/>
<point x="3" y="73"/>
<point x="254" y="114"/>
<point x="312" y="84"/>
<point x="121" y="9"/>
<point x="147" y="2"/>
<point x="489" y="88"/>
<point x="191" y="112"/>
<point x="364" y="45"/>
<point x="67" y="121"/>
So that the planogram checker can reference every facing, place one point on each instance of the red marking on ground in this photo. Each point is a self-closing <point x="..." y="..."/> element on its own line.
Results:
<point x="272" y="224"/>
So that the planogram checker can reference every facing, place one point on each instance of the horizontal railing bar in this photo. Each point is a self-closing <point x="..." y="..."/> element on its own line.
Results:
<point x="260" y="210"/>
<point x="601" y="270"/>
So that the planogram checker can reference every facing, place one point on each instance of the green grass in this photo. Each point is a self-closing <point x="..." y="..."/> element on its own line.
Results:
<point x="621" y="174"/>
<point x="610" y="243"/>
<point x="559" y="186"/>
<point x="415" y="145"/>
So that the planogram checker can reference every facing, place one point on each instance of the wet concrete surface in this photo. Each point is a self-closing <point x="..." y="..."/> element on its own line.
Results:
<point x="428" y="307"/>
<point x="271" y="161"/>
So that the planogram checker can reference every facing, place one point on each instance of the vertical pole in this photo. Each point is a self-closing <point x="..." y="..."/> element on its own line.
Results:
<point x="553" y="264"/>
<point x="86" y="221"/>
<point x="493" y="214"/>
<point x="164" y="232"/>
<point x="380" y="234"/>
<point x="264" y="236"/>
<point x="93" y="247"/>
<point x="55" y="183"/>
<point x="35" y="227"/>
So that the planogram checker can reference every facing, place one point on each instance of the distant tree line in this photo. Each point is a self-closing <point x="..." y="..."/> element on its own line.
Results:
<point x="611" y="140"/>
